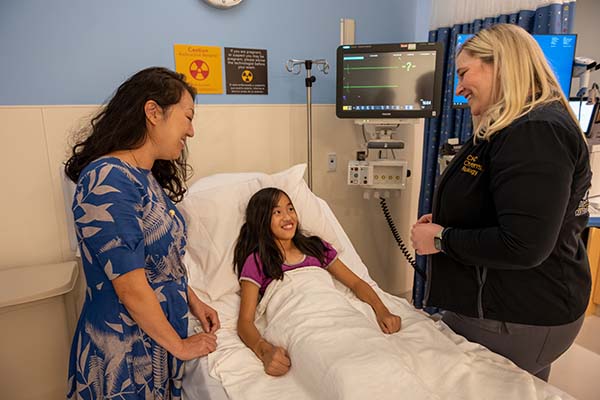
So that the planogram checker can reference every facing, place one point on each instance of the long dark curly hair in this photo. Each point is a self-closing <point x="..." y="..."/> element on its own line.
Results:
<point x="257" y="238"/>
<point x="121" y="125"/>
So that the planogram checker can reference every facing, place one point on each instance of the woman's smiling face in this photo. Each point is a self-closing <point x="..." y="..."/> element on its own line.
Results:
<point x="475" y="82"/>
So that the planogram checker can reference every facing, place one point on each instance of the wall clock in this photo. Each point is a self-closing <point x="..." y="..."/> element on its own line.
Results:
<point x="223" y="3"/>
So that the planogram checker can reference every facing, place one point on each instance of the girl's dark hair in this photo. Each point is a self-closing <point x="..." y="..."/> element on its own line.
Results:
<point x="257" y="238"/>
<point x="121" y="125"/>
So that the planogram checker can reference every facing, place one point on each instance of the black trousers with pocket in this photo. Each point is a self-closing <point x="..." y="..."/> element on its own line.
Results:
<point x="533" y="348"/>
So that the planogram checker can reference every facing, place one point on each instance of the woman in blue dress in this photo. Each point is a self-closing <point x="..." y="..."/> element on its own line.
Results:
<point x="130" y="168"/>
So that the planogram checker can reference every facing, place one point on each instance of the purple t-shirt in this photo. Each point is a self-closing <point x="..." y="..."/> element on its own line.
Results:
<point x="253" y="272"/>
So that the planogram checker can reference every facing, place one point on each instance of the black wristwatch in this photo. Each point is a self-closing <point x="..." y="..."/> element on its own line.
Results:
<point x="437" y="239"/>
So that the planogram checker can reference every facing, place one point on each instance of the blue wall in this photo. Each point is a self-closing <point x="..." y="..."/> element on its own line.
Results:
<point x="78" y="51"/>
<point x="423" y="18"/>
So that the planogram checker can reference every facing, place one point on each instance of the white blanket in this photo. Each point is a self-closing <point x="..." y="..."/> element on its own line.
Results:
<point x="338" y="351"/>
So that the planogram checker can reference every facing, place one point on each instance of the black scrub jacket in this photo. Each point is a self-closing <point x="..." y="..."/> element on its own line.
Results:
<point x="516" y="205"/>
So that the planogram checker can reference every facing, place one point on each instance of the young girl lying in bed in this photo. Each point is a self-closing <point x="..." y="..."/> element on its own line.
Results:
<point x="271" y="243"/>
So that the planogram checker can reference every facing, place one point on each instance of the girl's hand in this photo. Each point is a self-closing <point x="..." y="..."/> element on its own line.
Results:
<point x="388" y="322"/>
<point x="208" y="317"/>
<point x="275" y="359"/>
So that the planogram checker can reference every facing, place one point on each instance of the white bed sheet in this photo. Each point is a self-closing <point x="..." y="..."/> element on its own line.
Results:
<point x="198" y="384"/>
<point x="428" y="346"/>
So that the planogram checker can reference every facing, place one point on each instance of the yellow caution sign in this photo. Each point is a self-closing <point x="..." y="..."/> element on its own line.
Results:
<point x="201" y="66"/>
<point x="247" y="76"/>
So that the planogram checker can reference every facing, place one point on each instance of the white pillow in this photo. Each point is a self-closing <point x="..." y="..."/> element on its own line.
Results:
<point x="214" y="210"/>
<point x="220" y="180"/>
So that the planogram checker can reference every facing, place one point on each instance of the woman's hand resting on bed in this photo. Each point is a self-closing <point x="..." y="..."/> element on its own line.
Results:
<point x="208" y="317"/>
<point x="195" y="346"/>
<point x="388" y="322"/>
<point x="274" y="358"/>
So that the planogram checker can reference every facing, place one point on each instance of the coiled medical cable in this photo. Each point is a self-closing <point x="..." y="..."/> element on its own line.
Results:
<point x="396" y="234"/>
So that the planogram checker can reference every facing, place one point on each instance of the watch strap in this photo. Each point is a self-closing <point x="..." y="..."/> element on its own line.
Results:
<point x="443" y="238"/>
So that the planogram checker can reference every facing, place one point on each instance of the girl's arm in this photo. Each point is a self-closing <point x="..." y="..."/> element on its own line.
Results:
<point x="139" y="299"/>
<point x="275" y="359"/>
<point x="208" y="317"/>
<point x="388" y="322"/>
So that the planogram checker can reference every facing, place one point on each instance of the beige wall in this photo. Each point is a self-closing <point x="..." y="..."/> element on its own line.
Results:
<point x="229" y="138"/>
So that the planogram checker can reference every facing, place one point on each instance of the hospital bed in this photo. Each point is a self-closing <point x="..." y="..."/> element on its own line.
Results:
<point x="428" y="359"/>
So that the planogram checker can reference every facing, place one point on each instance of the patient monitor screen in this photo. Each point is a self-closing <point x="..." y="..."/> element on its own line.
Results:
<point x="387" y="80"/>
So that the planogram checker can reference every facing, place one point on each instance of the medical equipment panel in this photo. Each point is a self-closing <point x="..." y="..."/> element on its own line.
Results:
<point x="380" y="174"/>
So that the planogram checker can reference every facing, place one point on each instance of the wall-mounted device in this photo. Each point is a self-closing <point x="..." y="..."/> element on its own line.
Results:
<point x="380" y="174"/>
<point x="593" y="131"/>
<point x="585" y="112"/>
<point x="384" y="88"/>
<point x="558" y="49"/>
<point x="447" y="153"/>
<point x="582" y="69"/>
<point x="383" y="144"/>
<point x="402" y="80"/>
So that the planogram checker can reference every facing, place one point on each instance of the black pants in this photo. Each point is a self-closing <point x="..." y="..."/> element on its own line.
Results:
<point x="533" y="348"/>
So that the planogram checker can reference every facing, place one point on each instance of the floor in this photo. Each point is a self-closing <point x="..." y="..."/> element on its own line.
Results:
<point x="577" y="372"/>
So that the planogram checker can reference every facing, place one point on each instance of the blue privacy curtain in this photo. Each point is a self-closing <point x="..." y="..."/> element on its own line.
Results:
<point x="539" y="17"/>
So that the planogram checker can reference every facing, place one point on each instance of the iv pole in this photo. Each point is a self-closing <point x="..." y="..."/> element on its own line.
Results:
<point x="295" y="66"/>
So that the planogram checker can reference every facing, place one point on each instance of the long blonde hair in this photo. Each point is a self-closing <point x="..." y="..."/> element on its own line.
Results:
<point x="522" y="78"/>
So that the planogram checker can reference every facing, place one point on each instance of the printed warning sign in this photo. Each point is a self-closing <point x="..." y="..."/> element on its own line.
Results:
<point x="201" y="66"/>
<point x="246" y="71"/>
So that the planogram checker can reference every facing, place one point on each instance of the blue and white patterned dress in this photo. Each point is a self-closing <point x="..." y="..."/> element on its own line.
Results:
<point x="125" y="221"/>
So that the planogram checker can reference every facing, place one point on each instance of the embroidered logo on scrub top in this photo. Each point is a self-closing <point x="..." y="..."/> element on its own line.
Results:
<point x="471" y="166"/>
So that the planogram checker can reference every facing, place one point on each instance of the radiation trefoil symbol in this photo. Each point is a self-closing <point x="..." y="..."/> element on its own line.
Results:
<point x="247" y="76"/>
<point x="199" y="70"/>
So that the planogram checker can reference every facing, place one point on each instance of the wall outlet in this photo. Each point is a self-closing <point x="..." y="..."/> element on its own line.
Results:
<point x="331" y="162"/>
